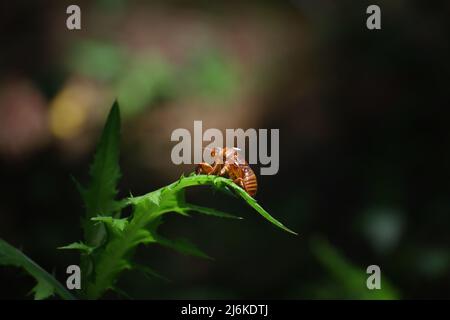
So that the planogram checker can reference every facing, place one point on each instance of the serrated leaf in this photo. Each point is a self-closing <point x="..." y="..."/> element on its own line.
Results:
<point x="116" y="224"/>
<point x="99" y="196"/>
<point x="217" y="182"/>
<point x="141" y="227"/>
<point x="255" y="205"/>
<point x="46" y="285"/>
<point x="142" y="236"/>
<point x="42" y="290"/>
<point x="208" y="211"/>
<point x="78" y="246"/>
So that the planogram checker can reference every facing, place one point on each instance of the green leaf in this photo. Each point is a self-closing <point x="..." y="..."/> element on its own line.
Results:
<point x="142" y="227"/>
<point x="46" y="286"/>
<point x="117" y="225"/>
<point x="217" y="182"/>
<point x="99" y="197"/>
<point x="252" y="203"/>
<point x="350" y="278"/>
<point x="78" y="246"/>
<point x="42" y="290"/>
<point x="208" y="211"/>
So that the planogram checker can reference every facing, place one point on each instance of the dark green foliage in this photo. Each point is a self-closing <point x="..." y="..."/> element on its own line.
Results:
<point x="46" y="285"/>
<point x="350" y="279"/>
<point x="99" y="197"/>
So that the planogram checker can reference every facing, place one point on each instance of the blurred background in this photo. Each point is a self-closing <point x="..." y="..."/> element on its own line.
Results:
<point x="364" y="140"/>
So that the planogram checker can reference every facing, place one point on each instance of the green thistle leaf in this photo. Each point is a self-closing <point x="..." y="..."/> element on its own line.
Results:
<point x="46" y="285"/>
<point x="99" y="196"/>
<point x="78" y="246"/>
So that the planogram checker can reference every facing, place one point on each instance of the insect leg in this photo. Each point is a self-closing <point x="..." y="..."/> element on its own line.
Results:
<point x="239" y="182"/>
<point x="216" y="168"/>
<point x="204" y="168"/>
<point x="224" y="171"/>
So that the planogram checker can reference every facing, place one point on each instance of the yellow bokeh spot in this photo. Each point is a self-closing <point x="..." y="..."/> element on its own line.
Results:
<point x="68" y="113"/>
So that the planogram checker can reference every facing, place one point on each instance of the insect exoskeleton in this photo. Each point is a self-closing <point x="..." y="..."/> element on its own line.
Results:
<point x="215" y="168"/>
<point x="249" y="180"/>
<point x="228" y="164"/>
<point x="243" y="175"/>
